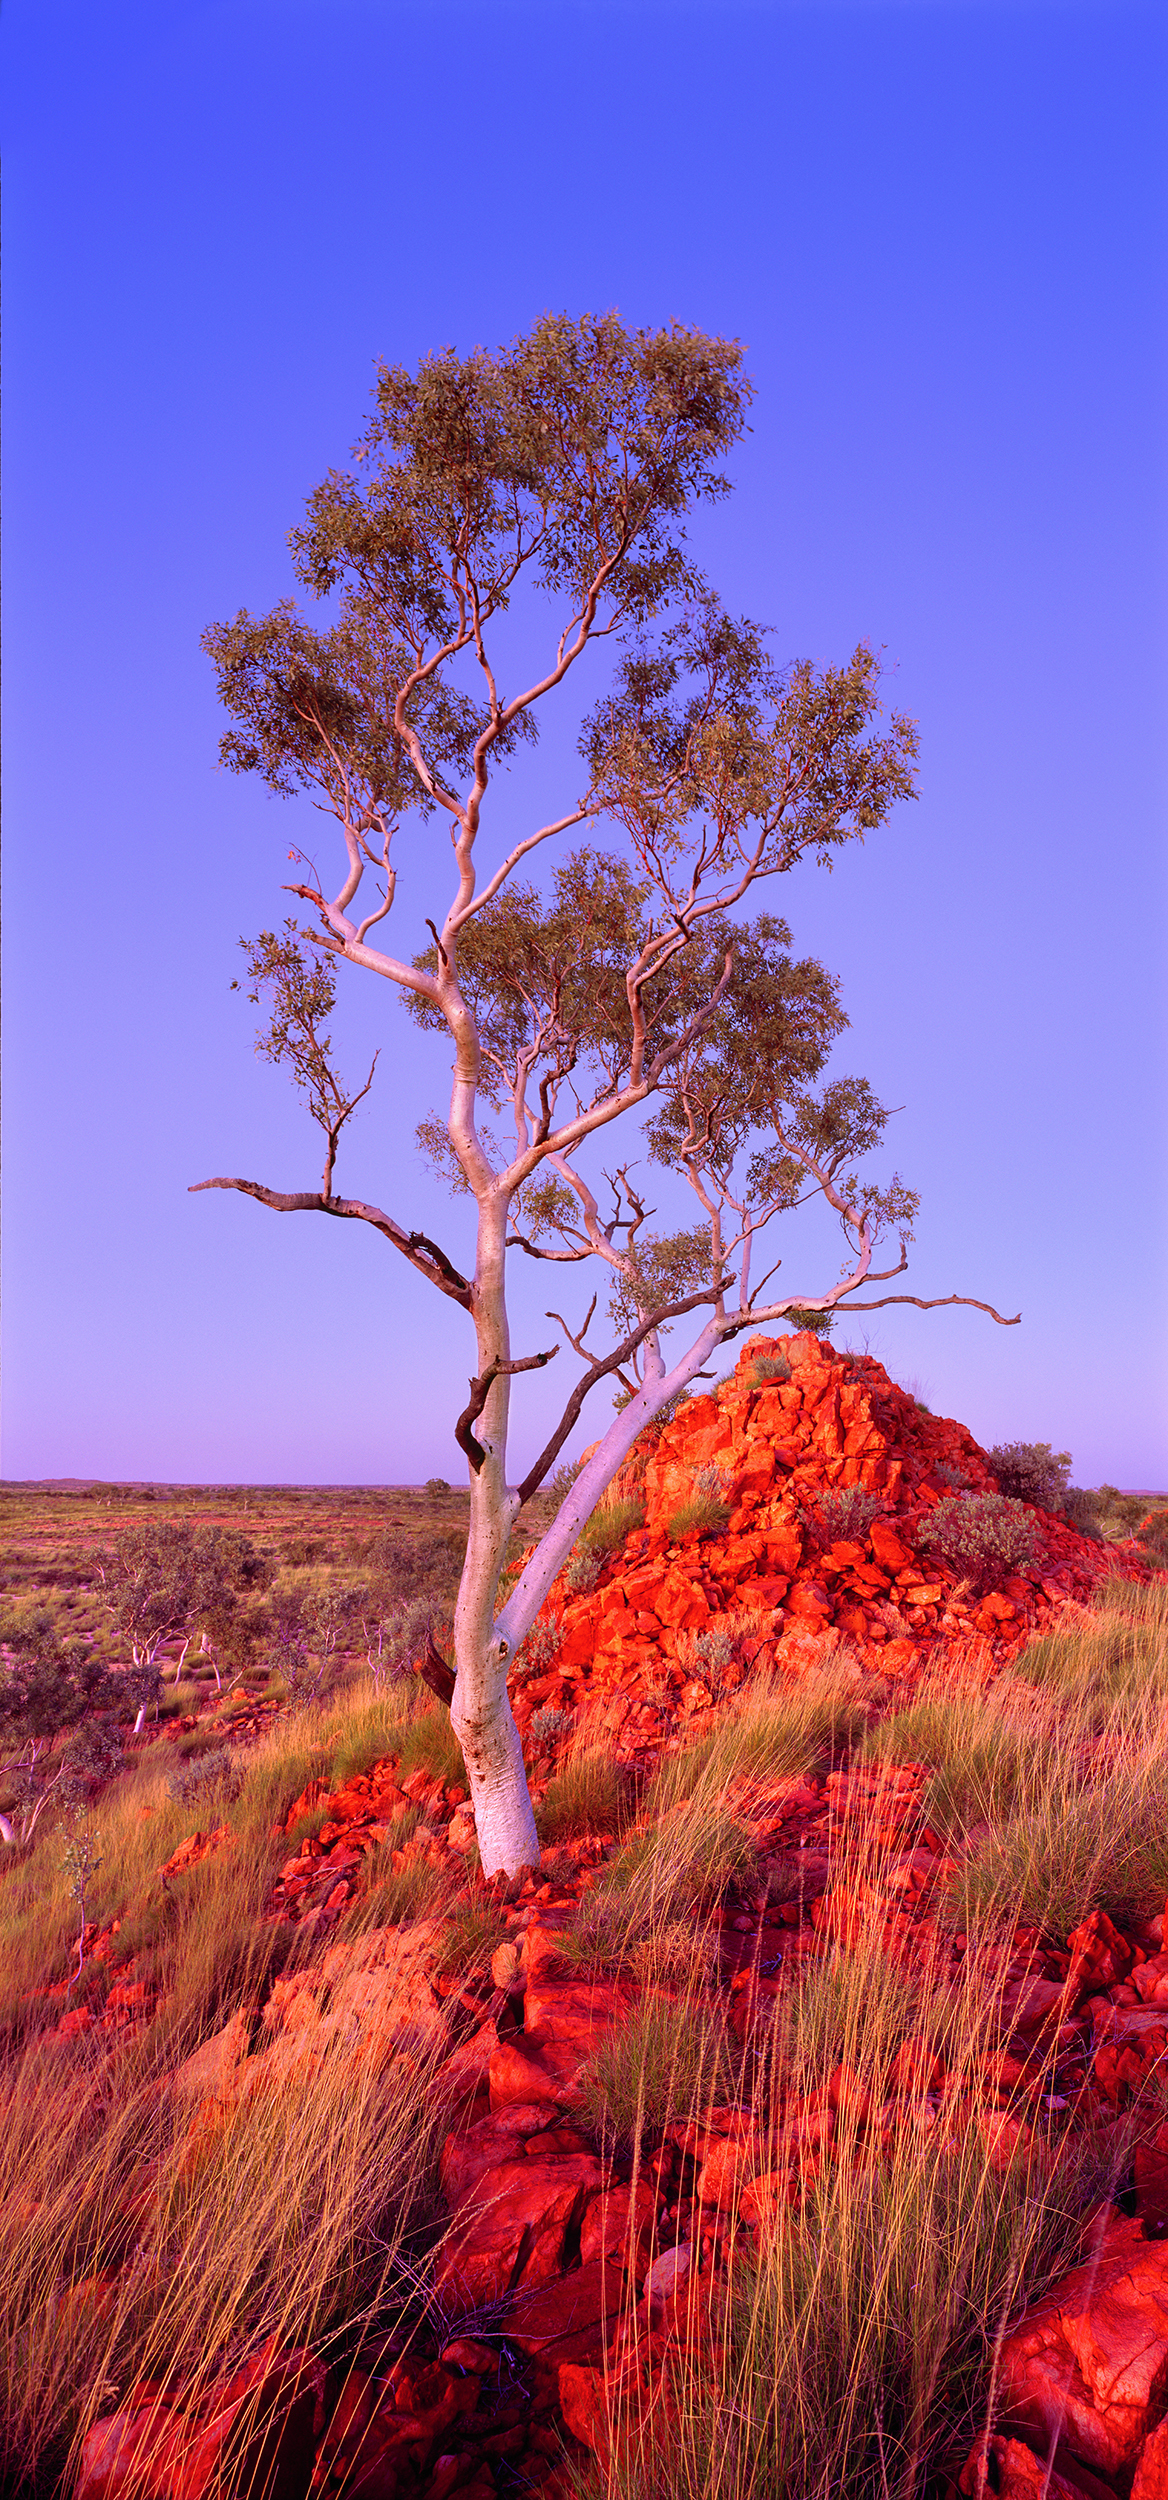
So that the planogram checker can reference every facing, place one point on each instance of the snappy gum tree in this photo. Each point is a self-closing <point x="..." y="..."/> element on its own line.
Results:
<point x="562" y="469"/>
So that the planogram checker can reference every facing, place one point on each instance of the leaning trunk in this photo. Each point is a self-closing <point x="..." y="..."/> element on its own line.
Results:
<point x="480" y="1711"/>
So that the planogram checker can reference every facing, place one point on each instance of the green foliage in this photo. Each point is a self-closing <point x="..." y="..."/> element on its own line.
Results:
<point x="1030" y="1471"/>
<point x="984" y="1536"/>
<point x="813" y="1323"/>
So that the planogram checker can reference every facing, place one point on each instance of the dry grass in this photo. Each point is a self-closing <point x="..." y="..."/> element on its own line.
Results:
<point x="848" y="2350"/>
<point x="844" y="2348"/>
<point x="135" y="2247"/>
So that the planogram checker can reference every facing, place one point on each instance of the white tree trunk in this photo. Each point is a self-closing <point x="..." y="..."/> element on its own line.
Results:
<point x="592" y="1483"/>
<point x="480" y="1711"/>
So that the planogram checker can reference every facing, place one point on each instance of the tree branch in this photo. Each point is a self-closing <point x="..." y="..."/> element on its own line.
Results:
<point x="940" y="1304"/>
<point x="607" y="1363"/>
<point x="479" y="1392"/>
<point x="422" y="1253"/>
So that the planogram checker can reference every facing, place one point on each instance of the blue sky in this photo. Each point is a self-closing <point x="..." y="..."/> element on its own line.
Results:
<point x="940" y="230"/>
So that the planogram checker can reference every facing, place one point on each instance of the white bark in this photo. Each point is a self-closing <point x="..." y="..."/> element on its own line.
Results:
<point x="592" y="1483"/>
<point x="480" y="1711"/>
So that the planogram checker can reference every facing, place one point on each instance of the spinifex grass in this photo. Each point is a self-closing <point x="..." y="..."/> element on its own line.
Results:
<point x="982" y="1746"/>
<point x="842" y="2350"/>
<point x="587" y="1793"/>
<point x="136" y="2246"/>
<point x="770" y="1730"/>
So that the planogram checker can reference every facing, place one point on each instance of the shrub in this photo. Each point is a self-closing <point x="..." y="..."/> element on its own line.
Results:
<point x="769" y="1368"/>
<point x="846" y="1513"/>
<point x="209" y="1777"/>
<point x="411" y="1563"/>
<point x="1153" y="1537"/>
<point x="1030" y="1471"/>
<point x="582" y="1571"/>
<point x="549" y="1724"/>
<point x="983" y="1536"/>
<point x="541" y="1647"/>
<point x="395" y="1636"/>
<point x="436" y="1486"/>
<point x="1081" y="1510"/>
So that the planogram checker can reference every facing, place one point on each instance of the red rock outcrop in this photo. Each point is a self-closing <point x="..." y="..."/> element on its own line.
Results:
<point x="627" y="1658"/>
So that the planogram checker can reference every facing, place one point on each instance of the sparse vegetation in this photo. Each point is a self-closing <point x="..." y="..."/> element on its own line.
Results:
<point x="984" y="1536"/>
<point x="1030" y="1471"/>
<point x="846" y="1513"/>
<point x="843" y="2342"/>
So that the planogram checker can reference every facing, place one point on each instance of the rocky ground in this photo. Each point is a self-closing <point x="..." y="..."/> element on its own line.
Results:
<point x="613" y="2180"/>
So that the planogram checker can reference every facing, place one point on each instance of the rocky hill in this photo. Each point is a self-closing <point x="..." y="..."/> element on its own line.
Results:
<point x="821" y="1481"/>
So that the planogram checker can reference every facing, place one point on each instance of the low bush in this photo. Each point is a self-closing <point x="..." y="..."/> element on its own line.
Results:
<point x="548" y="1725"/>
<point x="769" y="1370"/>
<point x="1030" y="1471"/>
<point x="1084" y="1510"/>
<point x="983" y="1536"/>
<point x="1152" y="1535"/>
<point x="846" y="1513"/>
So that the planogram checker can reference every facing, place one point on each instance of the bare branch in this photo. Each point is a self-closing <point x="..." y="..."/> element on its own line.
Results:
<point x="941" y="1303"/>
<point x="422" y="1253"/>
<point x="479" y="1392"/>
<point x="607" y="1363"/>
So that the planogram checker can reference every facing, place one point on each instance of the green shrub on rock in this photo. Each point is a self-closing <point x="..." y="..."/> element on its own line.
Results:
<point x="983" y="1536"/>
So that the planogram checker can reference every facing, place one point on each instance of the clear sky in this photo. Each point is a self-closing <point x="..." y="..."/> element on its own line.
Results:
<point x="940" y="230"/>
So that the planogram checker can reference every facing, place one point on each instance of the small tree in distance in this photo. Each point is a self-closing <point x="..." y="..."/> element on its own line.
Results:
<point x="564" y="467"/>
